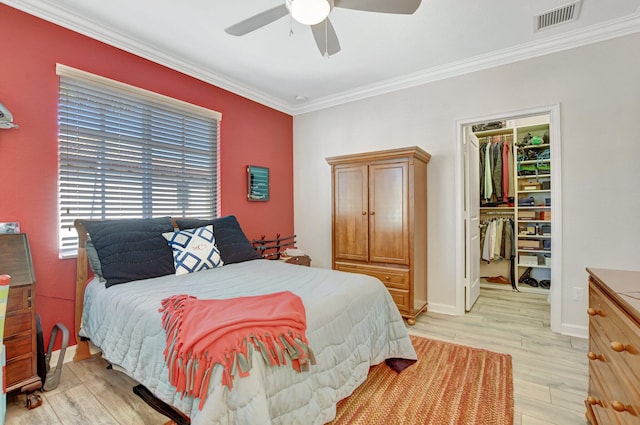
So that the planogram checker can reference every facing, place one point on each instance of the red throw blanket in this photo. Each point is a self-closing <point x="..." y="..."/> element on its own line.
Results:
<point x="202" y="334"/>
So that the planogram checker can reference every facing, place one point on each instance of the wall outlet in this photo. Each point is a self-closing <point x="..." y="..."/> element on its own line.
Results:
<point x="578" y="293"/>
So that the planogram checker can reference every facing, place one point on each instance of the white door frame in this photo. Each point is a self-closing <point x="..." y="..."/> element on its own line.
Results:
<point x="556" y="207"/>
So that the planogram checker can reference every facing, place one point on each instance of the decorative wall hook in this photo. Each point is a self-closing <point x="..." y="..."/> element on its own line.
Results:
<point x="6" y="119"/>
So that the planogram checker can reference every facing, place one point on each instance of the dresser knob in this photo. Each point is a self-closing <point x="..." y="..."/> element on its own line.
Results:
<point x="618" y="406"/>
<point x="593" y="401"/>
<point x="594" y="356"/>
<point x="617" y="346"/>
<point x="592" y="311"/>
<point x="387" y="278"/>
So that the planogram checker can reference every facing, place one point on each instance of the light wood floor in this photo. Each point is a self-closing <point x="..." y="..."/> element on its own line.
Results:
<point x="549" y="370"/>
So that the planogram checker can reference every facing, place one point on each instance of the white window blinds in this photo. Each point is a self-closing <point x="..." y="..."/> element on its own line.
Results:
<point x="129" y="153"/>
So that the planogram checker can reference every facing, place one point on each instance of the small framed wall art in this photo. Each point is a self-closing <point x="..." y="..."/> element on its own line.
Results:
<point x="257" y="183"/>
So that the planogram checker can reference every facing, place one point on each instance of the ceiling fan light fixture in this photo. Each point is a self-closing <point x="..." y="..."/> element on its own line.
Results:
<point x="309" y="12"/>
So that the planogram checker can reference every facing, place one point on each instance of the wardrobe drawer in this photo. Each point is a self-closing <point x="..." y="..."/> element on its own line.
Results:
<point x="393" y="278"/>
<point x="400" y="298"/>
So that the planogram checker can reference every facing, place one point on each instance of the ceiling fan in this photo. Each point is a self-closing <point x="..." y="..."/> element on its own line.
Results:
<point x="315" y="13"/>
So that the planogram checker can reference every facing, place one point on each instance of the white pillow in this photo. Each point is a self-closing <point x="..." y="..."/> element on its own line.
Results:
<point x="194" y="249"/>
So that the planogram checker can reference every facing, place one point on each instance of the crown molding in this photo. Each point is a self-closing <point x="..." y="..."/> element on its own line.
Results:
<point x="69" y="19"/>
<point x="593" y="34"/>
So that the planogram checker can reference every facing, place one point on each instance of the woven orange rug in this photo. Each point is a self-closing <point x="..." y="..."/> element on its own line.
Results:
<point x="450" y="384"/>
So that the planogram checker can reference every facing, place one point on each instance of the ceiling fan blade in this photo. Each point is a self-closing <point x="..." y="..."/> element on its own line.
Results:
<point x="326" y="38"/>
<point x="403" y="7"/>
<point x="258" y="21"/>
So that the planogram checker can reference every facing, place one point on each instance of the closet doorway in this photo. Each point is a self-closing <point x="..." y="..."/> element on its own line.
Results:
<point x="510" y="223"/>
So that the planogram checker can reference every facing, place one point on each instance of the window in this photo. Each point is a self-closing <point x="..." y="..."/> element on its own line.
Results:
<point x="125" y="152"/>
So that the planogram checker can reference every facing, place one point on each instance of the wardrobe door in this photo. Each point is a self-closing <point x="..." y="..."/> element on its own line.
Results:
<point x="388" y="213"/>
<point x="350" y="213"/>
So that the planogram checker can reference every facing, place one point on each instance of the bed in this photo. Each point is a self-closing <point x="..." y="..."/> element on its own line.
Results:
<point x="352" y="324"/>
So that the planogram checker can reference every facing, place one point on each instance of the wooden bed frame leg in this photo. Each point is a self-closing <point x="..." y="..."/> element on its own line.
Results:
<point x="177" y="418"/>
<point x="82" y="351"/>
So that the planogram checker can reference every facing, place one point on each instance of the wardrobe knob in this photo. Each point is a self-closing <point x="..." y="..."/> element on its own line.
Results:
<point x="618" y="406"/>
<point x="617" y="346"/>
<point x="592" y="312"/>
<point x="364" y="213"/>
<point x="373" y="213"/>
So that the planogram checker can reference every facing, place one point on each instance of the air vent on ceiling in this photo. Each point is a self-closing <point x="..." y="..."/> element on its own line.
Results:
<point x="561" y="15"/>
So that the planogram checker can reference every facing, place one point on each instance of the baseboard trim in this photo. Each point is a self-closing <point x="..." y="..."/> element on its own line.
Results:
<point x="69" y="353"/>
<point x="442" y="308"/>
<point x="575" y="330"/>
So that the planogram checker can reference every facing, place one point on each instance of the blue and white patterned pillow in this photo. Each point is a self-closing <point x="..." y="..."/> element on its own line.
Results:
<point x="194" y="249"/>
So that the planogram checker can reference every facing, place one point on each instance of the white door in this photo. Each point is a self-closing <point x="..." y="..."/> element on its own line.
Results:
<point x="472" y="217"/>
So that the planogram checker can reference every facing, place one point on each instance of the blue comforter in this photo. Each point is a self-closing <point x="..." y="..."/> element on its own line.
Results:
<point x="352" y="324"/>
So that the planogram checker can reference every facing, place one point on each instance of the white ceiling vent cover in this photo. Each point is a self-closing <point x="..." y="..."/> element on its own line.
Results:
<point x="561" y="15"/>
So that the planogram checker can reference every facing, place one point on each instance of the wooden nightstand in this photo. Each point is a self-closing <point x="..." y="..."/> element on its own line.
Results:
<point x="302" y="260"/>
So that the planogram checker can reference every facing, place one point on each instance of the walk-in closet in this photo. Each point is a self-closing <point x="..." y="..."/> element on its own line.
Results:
<point x="515" y="190"/>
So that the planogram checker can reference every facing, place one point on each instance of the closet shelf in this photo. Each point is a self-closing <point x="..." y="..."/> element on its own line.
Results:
<point x="521" y="236"/>
<point x="533" y="176"/>
<point x="534" y="161"/>
<point x="535" y="191"/>
<point x="536" y="207"/>
<point x="536" y="251"/>
<point x="539" y="266"/>
<point x="544" y="145"/>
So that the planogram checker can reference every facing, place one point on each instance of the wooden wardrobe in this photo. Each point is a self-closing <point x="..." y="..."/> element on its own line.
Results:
<point x="379" y="221"/>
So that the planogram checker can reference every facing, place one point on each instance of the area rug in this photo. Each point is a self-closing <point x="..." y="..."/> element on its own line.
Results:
<point x="450" y="384"/>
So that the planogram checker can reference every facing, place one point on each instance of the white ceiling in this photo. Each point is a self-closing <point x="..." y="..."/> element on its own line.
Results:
<point x="380" y="52"/>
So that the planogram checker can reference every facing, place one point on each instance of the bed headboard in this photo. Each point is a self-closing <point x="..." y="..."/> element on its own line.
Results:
<point x="82" y="278"/>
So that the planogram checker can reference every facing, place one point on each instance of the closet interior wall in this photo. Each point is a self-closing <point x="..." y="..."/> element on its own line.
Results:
<point x="515" y="199"/>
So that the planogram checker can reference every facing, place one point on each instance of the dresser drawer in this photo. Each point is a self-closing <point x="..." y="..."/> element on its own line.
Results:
<point x="618" y="332"/>
<point x="609" y="403"/>
<point x="19" y="346"/>
<point x="17" y="323"/>
<point x="616" y="381"/>
<point x="19" y="298"/>
<point x="19" y="370"/>
<point x="393" y="278"/>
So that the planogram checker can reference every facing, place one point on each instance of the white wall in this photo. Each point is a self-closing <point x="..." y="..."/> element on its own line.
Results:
<point x="598" y="88"/>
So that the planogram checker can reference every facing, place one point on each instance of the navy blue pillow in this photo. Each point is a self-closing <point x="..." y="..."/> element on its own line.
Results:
<point x="132" y="249"/>
<point x="230" y="239"/>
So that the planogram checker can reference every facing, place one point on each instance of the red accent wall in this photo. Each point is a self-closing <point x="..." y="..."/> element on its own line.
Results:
<point x="250" y="134"/>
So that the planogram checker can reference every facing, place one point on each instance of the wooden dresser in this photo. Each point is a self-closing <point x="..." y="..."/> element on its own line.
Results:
<point x="614" y="347"/>
<point x="379" y="221"/>
<point x="21" y="372"/>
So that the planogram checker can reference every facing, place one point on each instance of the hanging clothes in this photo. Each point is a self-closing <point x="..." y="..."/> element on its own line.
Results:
<point x="497" y="239"/>
<point x="496" y="170"/>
